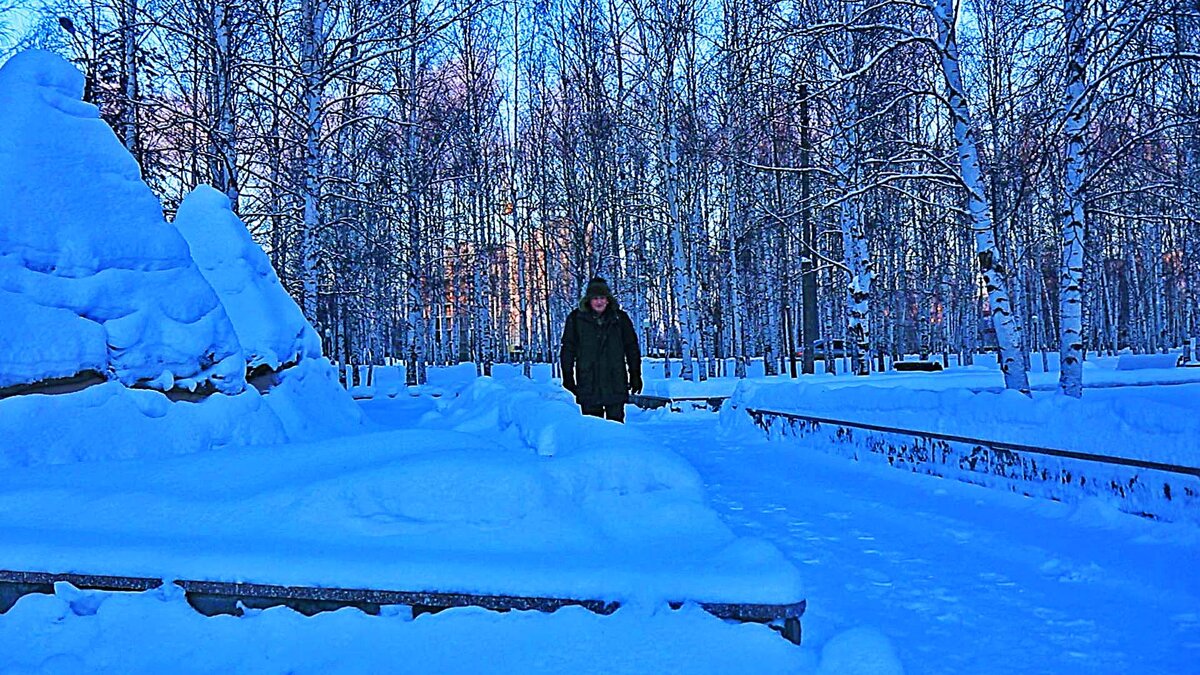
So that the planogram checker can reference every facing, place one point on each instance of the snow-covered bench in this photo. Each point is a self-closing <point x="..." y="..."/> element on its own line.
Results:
<point x="212" y="598"/>
<point x="675" y="404"/>
<point x="676" y="393"/>
<point x="917" y="366"/>
<point x="1144" y="361"/>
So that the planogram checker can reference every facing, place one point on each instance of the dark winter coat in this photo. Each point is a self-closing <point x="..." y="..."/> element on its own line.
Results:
<point x="600" y="356"/>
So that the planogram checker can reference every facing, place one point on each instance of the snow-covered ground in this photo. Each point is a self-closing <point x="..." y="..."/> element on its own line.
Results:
<point x="505" y="491"/>
<point x="959" y="578"/>
<point x="902" y="572"/>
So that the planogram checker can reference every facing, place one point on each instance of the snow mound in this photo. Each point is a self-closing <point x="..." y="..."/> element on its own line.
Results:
<point x="109" y="421"/>
<point x="860" y="651"/>
<point x="270" y="327"/>
<point x="635" y="497"/>
<point x="79" y="344"/>
<point x="311" y="404"/>
<point x="80" y="233"/>
<point x="415" y="509"/>
<point x="95" y="283"/>
<point x="592" y="455"/>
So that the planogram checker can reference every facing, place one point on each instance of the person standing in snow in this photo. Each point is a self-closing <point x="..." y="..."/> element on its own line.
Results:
<point x="600" y="357"/>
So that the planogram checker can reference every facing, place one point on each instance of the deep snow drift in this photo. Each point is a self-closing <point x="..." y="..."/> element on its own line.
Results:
<point x="97" y="286"/>
<point x="105" y="284"/>
<point x="479" y="509"/>
<point x="503" y="489"/>
<point x="270" y="327"/>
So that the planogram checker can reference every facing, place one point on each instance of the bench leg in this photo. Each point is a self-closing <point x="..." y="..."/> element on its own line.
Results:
<point x="791" y="630"/>
<point x="11" y="592"/>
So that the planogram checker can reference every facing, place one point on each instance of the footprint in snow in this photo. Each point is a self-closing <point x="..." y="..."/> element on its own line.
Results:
<point x="876" y="577"/>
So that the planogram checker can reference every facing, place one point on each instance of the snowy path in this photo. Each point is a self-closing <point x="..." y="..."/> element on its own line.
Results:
<point x="962" y="579"/>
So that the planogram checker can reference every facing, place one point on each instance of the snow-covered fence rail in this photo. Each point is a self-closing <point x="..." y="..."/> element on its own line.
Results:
<point x="1146" y="488"/>
<point x="214" y="597"/>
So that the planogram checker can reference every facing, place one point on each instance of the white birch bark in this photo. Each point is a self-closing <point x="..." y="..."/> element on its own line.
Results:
<point x="679" y="266"/>
<point x="700" y="347"/>
<point x="415" y="343"/>
<point x="736" y="308"/>
<point x="129" y="65"/>
<point x="1007" y="324"/>
<point x="854" y="235"/>
<point x="224" y="149"/>
<point x="522" y="277"/>
<point x="669" y="157"/>
<point x="1070" y="298"/>
<point x="312" y="27"/>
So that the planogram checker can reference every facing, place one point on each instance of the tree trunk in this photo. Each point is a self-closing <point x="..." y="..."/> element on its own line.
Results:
<point x="313" y="82"/>
<point x="683" y="289"/>
<point x="1070" y="380"/>
<point x="1007" y="324"/>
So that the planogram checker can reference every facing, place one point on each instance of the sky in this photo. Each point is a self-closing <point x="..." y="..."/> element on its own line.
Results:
<point x="18" y="17"/>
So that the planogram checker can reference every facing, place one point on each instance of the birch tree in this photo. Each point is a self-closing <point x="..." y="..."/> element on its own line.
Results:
<point x="854" y="238"/>
<point x="1004" y="319"/>
<point x="1075" y="115"/>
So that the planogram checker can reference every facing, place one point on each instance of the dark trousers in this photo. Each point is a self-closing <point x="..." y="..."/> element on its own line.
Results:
<point x="614" y="412"/>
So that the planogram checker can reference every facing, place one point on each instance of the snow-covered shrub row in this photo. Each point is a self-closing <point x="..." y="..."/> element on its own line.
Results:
<point x="389" y="381"/>
<point x="1156" y="423"/>
<point x="679" y="388"/>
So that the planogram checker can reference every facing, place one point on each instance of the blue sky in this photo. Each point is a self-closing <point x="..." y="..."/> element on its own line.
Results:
<point x="18" y="16"/>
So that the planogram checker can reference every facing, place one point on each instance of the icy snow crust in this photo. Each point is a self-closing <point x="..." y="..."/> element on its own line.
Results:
<point x="270" y="327"/>
<point x="470" y="503"/>
<point x="81" y="233"/>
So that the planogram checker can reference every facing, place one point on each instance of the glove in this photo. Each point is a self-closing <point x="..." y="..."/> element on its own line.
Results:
<point x="635" y="384"/>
